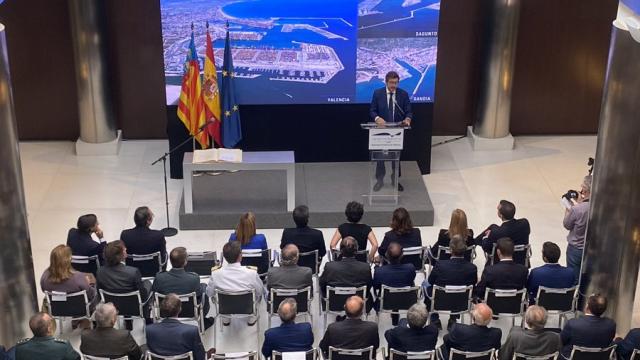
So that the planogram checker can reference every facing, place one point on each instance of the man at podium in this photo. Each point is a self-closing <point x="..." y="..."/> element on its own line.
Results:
<point x="390" y="104"/>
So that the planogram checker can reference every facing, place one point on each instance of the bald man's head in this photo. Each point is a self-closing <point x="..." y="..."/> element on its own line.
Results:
<point x="354" y="307"/>
<point x="348" y="247"/>
<point x="41" y="325"/>
<point x="481" y="314"/>
<point x="394" y="253"/>
<point x="535" y="317"/>
<point x="289" y="255"/>
<point x="287" y="310"/>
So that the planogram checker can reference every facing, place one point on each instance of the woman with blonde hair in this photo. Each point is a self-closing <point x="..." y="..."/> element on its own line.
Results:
<point x="61" y="277"/>
<point x="457" y="226"/>
<point x="246" y="233"/>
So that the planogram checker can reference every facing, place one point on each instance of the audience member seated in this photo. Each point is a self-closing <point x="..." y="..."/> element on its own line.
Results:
<point x="232" y="276"/>
<point x="181" y="282"/>
<point x="628" y="344"/>
<point x="43" y="345"/>
<point x="289" y="336"/>
<point x="246" y="233"/>
<point x="453" y="272"/>
<point x="302" y="236"/>
<point x="505" y="274"/>
<point x="475" y="337"/>
<point x="361" y="232"/>
<point x="104" y="340"/>
<point x="170" y="337"/>
<point x="289" y="275"/>
<point x="80" y="239"/>
<point x="533" y="340"/>
<point x="395" y="274"/>
<point x="457" y="226"/>
<point x="61" y="277"/>
<point x="411" y="334"/>
<point x="591" y="330"/>
<point x="352" y="333"/>
<point x="402" y="232"/>
<point x="517" y="230"/>
<point x="116" y="277"/>
<point x="348" y="272"/>
<point x="141" y="240"/>
<point x="551" y="274"/>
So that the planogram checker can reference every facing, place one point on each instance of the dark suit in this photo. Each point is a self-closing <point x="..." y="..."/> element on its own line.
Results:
<point x="305" y="238"/>
<point x="142" y="241"/>
<point x="517" y="230"/>
<point x="530" y="342"/>
<point x="181" y="282"/>
<point x="504" y="275"/>
<point x="553" y="276"/>
<point x="471" y="338"/>
<point x="346" y="272"/>
<point x="394" y="275"/>
<point x="403" y="338"/>
<point x="82" y="244"/>
<point x="109" y="342"/>
<point x="288" y="337"/>
<point x="122" y="279"/>
<point x="410" y="239"/>
<point x="350" y="334"/>
<point x="46" y="347"/>
<point x="589" y="331"/>
<point x="628" y="344"/>
<point x="380" y="107"/>
<point x="171" y="337"/>
<point x="289" y="277"/>
<point x="453" y="272"/>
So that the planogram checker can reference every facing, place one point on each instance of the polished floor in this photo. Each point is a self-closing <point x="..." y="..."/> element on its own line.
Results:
<point x="60" y="186"/>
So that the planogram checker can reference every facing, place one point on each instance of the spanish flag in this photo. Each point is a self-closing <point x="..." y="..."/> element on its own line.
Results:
<point x="211" y="92"/>
<point x="190" y="106"/>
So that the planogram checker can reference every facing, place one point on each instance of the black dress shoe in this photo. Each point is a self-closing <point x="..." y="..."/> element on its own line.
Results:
<point x="340" y="318"/>
<point x="437" y="323"/>
<point x="450" y="323"/>
<point x="377" y="186"/>
<point x="400" y="187"/>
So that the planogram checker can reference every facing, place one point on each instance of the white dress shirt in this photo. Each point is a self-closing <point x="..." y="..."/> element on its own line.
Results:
<point x="235" y="277"/>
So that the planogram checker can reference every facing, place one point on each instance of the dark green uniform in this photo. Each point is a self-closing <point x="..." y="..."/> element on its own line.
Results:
<point x="47" y="347"/>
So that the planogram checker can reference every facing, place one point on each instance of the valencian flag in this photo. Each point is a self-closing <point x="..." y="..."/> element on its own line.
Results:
<point x="190" y="105"/>
<point x="231" y="129"/>
<point x="211" y="93"/>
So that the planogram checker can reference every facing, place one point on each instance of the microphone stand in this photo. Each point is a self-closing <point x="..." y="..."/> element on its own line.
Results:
<point x="170" y="231"/>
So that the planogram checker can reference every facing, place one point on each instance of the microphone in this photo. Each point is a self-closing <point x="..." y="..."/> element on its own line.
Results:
<point x="209" y="122"/>
<point x="398" y="106"/>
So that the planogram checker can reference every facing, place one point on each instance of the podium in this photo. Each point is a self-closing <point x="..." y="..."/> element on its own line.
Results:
<point x="385" y="145"/>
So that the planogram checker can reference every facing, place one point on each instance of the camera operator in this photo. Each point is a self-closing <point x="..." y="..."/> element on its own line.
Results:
<point x="575" y="220"/>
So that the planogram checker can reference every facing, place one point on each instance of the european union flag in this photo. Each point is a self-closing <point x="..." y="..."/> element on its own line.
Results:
<point x="231" y="128"/>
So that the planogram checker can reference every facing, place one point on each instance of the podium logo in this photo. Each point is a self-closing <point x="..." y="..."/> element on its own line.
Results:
<point x="388" y="134"/>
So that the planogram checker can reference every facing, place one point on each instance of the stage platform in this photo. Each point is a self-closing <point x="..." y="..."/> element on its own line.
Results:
<point x="325" y="187"/>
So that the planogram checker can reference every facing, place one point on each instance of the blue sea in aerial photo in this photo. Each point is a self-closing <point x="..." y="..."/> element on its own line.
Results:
<point x="389" y="18"/>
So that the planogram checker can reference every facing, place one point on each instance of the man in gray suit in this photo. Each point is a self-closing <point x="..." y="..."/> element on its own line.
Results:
<point x="289" y="275"/>
<point x="533" y="340"/>
<point x="105" y="341"/>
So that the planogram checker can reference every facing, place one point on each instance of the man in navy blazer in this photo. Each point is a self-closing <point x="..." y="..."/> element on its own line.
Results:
<point x="590" y="330"/>
<point x="141" y="240"/>
<point x="476" y="337"/>
<point x="390" y="104"/>
<point x="289" y="336"/>
<point x="395" y="274"/>
<point x="505" y="274"/>
<point x="551" y="274"/>
<point x="517" y="230"/>
<point x="80" y="241"/>
<point x="453" y="272"/>
<point x="171" y="337"/>
<point x="625" y="346"/>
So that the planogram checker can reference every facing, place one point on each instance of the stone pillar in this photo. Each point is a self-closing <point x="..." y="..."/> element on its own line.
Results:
<point x="491" y="128"/>
<point x="98" y="135"/>
<point x="612" y="249"/>
<point x="17" y="282"/>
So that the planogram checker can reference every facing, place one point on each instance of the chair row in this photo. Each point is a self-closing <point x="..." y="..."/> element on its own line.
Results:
<point x="202" y="262"/>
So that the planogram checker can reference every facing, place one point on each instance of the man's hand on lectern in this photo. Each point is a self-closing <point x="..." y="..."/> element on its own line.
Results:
<point x="406" y="122"/>
<point x="379" y="120"/>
